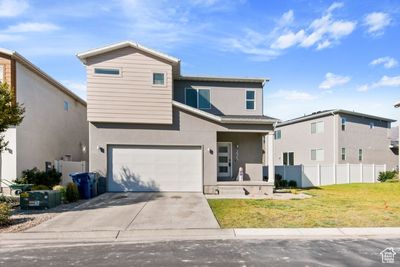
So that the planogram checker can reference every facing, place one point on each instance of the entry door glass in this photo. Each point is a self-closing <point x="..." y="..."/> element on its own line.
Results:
<point x="224" y="160"/>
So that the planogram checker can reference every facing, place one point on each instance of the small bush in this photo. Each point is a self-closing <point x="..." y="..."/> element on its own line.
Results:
<point x="283" y="183"/>
<point x="62" y="190"/>
<point x="9" y="199"/>
<point x="278" y="179"/>
<point x="72" y="192"/>
<point x="5" y="214"/>
<point x="388" y="175"/>
<point x="292" y="184"/>
<point x="40" y="187"/>
<point x="35" y="176"/>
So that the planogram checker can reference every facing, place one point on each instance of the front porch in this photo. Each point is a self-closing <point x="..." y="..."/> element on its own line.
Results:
<point x="241" y="157"/>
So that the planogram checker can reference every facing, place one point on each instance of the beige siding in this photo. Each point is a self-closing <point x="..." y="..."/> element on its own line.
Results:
<point x="130" y="98"/>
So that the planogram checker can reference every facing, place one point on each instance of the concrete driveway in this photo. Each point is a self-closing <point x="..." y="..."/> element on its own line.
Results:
<point x="133" y="211"/>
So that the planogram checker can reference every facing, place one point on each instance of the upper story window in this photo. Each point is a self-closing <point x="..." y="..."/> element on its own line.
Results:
<point x="159" y="78"/>
<point x="343" y="153"/>
<point x="198" y="98"/>
<point x="250" y="99"/>
<point x="317" y="154"/>
<point x="344" y="121"/>
<point x="1" y="73"/>
<point x="317" y="127"/>
<point x="360" y="154"/>
<point x="107" y="71"/>
<point x="66" y="105"/>
<point x="371" y="125"/>
<point x="278" y="134"/>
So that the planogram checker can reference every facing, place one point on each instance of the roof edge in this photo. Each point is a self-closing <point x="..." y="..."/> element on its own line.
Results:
<point x="223" y="79"/>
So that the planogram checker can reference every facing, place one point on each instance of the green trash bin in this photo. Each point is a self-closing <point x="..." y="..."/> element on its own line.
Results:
<point x="40" y="199"/>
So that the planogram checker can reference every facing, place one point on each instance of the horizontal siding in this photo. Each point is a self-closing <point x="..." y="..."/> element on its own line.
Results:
<point x="130" y="98"/>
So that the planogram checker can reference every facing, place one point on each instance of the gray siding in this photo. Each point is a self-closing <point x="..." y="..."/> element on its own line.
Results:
<point x="227" y="98"/>
<point x="374" y="142"/>
<point x="131" y="98"/>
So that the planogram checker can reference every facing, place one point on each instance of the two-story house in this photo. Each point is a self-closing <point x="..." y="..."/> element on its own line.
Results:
<point x="54" y="125"/>
<point x="335" y="137"/>
<point x="152" y="129"/>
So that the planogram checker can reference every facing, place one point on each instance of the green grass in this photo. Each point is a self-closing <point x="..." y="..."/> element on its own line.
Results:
<point x="350" y="205"/>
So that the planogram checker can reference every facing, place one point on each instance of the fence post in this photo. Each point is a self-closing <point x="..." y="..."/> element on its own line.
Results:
<point x="319" y="174"/>
<point x="348" y="173"/>
<point x="334" y="174"/>
<point x="361" y="173"/>
<point x="384" y="167"/>
<point x="373" y="173"/>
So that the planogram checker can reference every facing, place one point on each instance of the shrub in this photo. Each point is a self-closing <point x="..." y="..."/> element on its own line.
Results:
<point x="292" y="183"/>
<point x="40" y="187"/>
<point x="72" y="192"/>
<point x="283" y="183"/>
<point x="11" y="200"/>
<point x="34" y="176"/>
<point x="62" y="190"/>
<point x="5" y="214"/>
<point x="388" y="175"/>
<point x="278" y="179"/>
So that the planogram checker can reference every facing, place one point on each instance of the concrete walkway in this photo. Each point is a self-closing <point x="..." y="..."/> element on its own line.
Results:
<point x="135" y="211"/>
<point x="137" y="236"/>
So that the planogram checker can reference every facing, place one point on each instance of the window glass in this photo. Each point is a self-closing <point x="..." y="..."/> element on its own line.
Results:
<point x="285" y="158"/>
<point x="278" y="134"/>
<point x="291" y="158"/>
<point x="360" y="154"/>
<point x="106" y="71"/>
<point x="250" y="104"/>
<point x="343" y="153"/>
<point x="158" y="79"/>
<point x="191" y="97"/>
<point x="344" y="124"/>
<point x="204" y="98"/>
<point x="1" y="73"/>
<point x="250" y="95"/>
<point x="250" y="99"/>
<point x="66" y="105"/>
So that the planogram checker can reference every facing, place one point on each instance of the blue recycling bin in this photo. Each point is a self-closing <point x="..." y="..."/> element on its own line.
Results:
<point x="83" y="182"/>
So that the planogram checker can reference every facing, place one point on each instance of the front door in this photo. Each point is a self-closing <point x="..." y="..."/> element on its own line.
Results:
<point x="224" y="159"/>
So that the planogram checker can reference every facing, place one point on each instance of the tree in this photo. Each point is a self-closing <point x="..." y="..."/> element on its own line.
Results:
<point x="11" y="113"/>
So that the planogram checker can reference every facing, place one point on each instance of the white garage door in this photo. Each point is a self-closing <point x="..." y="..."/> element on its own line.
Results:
<point x="155" y="168"/>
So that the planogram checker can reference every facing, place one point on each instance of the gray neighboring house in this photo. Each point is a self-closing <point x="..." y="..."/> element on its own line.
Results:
<point x="335" y="136"/>
<point x="153" y="129"/>
<point x="54" y="125"/>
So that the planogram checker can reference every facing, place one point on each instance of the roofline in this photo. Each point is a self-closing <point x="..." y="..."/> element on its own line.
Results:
<point x="15" y="55"/>
<point x="97" y="51"/>
<point x="223" y="79"/>
<point x="332" y="112"/>
<point x="220" y="119"/>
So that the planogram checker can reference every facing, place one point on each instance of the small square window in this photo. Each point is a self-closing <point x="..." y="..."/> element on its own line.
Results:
<point x="66" y="105"/>
<point x="158" y="78"/>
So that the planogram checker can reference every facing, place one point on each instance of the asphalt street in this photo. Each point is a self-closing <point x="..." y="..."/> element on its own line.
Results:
<point x="330" y="252"/>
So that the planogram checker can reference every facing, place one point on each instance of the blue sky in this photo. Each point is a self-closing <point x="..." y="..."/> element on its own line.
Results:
<point x="318" y="54"/>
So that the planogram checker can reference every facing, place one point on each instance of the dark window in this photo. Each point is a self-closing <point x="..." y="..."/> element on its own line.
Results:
<point x="204" y="99"/>
<point x="107" y="71"/>
<point x="158" y="79"/>
<point x="288" y="158"/>
<point x="191" y="97"/>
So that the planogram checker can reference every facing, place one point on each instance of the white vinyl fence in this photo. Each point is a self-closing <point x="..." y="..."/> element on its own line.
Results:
<point x="68" y="167"/>
<point x="328" y="174"/>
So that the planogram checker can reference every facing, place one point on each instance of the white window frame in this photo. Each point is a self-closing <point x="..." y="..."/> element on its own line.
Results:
<point x="107" y="75"/>
<point x="316" y="123"/>
<point x="288" y="157"/>
<point x="197" y="102"/>
<point x="316" y="154"/>
<point x="2" y="73"/>
<point x="152" y="78"/>
<point x="255" y="97"/>
<point x="343" y="154"/>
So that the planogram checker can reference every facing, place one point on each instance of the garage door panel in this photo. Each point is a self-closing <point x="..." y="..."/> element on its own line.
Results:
<point x="139" y="168"/>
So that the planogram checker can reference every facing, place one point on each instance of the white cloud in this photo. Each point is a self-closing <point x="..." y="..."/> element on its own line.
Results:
<point x="32" y="27"/>
<point x="13" y="8"/>
<point x="292" y="95"/>
<point x="288" y="40"/>
<point x="376" y="22"/>
<point x="332" y="80"/>
<point x="387" y="62"/>
<point x="287" y="18"/>
<point x="385" y="81"/>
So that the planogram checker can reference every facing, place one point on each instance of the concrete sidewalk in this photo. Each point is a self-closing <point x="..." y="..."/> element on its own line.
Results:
<point x="196" y="234"/>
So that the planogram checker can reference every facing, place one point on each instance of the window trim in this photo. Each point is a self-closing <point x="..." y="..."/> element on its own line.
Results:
<point x="152" y="78"/>
<point x="197" y="98"/>
<point x="316" y="158"/>
<point x="255" y="97"/>
<point x="288" y="161"/>
<point x="107" y="75"/>
<point x="280" y="134"/>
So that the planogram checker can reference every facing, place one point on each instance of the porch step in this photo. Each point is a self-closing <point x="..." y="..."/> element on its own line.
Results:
<point x="231" y="190"/>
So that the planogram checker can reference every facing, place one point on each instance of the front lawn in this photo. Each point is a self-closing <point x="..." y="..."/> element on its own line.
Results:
<point x="350" y="205"/>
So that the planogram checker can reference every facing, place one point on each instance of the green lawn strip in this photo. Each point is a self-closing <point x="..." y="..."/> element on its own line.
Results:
<point x="353" y="205"/>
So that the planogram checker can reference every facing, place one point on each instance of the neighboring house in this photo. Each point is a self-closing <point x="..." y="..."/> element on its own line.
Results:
<point x="335" y="136"/>
<point x="152" y="129"/>
<point x="54" y="125"/>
